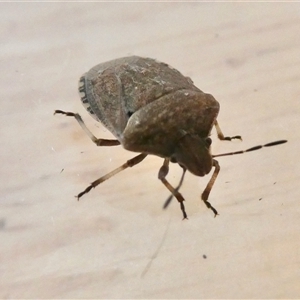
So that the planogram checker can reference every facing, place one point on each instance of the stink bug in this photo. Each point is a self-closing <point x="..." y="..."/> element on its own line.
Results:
<point x="151" y="108"/>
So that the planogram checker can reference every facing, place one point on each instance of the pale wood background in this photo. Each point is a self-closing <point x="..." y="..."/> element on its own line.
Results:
<point x="248" y="56"/>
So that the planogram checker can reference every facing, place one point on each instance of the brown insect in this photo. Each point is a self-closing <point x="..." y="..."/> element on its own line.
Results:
<point x="151" y="108"/>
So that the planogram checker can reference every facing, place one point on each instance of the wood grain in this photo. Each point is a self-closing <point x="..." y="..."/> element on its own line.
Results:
<point x="118" y="242"/>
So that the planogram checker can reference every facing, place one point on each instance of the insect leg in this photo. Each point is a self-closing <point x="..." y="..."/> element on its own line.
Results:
<point x="98" y="142"/>
<point x="168" y="201"/>
<point x="163" y="172"/>
<point x="209" y="186"/>
<point x="221" y="135"/>
<point x="130" y="163"/>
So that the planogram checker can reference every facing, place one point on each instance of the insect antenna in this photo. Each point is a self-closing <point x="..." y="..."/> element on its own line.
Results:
<point x="252" y="148"/>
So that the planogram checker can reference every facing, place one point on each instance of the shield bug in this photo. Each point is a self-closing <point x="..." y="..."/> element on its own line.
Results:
<point x="151" y="108"/>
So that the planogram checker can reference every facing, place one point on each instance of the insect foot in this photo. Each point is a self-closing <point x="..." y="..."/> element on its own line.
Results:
<point x="152" y="109"/>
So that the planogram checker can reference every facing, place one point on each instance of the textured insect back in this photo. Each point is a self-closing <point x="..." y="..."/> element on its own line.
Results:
<point x="115" y="90"/>
<point x="157" y="127"/>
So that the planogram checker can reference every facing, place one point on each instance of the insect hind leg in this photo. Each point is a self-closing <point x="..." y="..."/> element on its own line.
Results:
<point x="98" y="142"/>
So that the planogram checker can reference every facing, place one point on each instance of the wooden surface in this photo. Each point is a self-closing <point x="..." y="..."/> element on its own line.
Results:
<point x="118" y="242"/>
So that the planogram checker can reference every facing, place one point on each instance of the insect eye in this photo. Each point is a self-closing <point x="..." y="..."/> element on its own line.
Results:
<point x="208" y="142"/>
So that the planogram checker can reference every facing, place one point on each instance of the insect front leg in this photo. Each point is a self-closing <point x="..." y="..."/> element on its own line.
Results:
<point x="163" y="172"/>
<point x="168" y="201"/>
<point x="209" y="186"/>
<point x="221" y="135"/>
<point x="130" y="163"/>
<point x="98" y="142"/>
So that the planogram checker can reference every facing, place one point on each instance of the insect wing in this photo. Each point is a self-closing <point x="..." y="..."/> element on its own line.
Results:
<point x="113" y="91"/>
